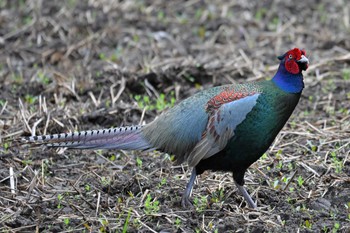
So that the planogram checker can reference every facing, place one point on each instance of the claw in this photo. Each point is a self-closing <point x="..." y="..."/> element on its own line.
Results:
<point x="246" y="196"/>
<point x="186" y="202"/>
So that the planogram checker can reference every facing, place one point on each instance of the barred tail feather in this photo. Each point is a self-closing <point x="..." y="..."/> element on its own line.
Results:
<point x="123" y="138"/>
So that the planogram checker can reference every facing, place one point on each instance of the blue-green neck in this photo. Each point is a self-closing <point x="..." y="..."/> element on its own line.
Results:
<point x="291" y="83"/>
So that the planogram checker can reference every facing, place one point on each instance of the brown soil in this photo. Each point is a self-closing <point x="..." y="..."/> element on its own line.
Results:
<point x="78" y="65"/>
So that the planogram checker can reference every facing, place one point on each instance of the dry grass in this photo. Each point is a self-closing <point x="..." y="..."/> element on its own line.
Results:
<point x="76" y="65"/>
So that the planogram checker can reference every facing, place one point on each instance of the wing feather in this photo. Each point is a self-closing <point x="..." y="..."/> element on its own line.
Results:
<point x="221" y="127"/>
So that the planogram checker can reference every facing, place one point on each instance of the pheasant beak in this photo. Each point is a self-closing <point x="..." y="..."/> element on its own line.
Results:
<point x="303" y="59"/>
<point x="303" y="62"/>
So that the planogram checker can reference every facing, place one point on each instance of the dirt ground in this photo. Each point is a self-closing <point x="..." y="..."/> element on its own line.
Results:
<point x="78" y="65"/>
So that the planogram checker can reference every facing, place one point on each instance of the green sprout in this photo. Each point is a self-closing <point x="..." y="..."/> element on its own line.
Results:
<point x="151" y="206"/>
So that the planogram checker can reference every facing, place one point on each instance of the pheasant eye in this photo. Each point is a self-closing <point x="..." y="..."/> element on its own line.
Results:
<point x="290" y="56"/>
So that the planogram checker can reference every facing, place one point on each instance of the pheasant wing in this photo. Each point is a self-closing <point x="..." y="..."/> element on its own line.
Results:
<point x="223" y="119"/>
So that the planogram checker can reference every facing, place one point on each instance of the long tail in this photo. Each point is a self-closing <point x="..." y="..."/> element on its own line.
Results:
<point x="124" y="138"/>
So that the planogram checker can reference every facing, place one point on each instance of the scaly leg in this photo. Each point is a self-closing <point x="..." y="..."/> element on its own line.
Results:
<point x="185" y="200"/>
<point x="246" y="196"/>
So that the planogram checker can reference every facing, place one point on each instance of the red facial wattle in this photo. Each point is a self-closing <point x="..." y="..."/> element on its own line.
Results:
<point x="295" y="61"/>
<point x="291" y="66"/>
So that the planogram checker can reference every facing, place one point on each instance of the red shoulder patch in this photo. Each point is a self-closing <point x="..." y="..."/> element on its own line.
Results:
<point x="226" y="96"/>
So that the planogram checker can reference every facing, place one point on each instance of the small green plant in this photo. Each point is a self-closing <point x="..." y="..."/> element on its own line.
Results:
<point x="27" y="162"/>
<point x="177" y="222"/>
<point x="17" y="78"/>
<point x="43" y="78"/>
<point x="325" y="229"/>
<point x="293" y="124"/>
<point x="306" y="113"/>
<point x="191" y="79"/>
<point x="106" y="181"/>
<point x="278" y="154"/>
<point x="182" y="18"/>
<point x="112" y="157"/>
<point x="136" y="223"/>
<point x="161" y="16"/>
<point x="201" y="32"/>
<point x="30" y="99"/>
<point x="162" y="182"/>
<point x="264" y="156"/>
<point x="126" y="224"/>
<point x="159" y="104"/>
<point x="135" y="38"/>
<point x="260" y="14"/>
<point x="199" y="13"/>
<point x="2" y="102"/>
<point x="66" y="221"/>
<point x="312" y="146"/>
<point x="131" y="194"/>
<point x="218" y="196"/>
<point x="346" y="74"/>
<point x="6" y="146"/>
<point x="104" y="224"/>
<point x="114" y="57"/>
<point x="200" y="203"/>
<point x="336" y="227"/>
<point x="276" y="184"/>
<point x="87" y="187"/>
<point x="102" y="56"/>
<point x="45" y="167"/>
<point x="285" y="179"/>
<point x="118" y="52"/>
<point x="98" y="74"/>
<point x="272" y="25"/>
<point x="332" y="215"/>
<point x="337" y="163"/>
<point x="139" y="162"/>
<point x="59" y="198"/>
<point x="307" y="224"/>
<point x="142" y="101"/>
<point x="151" y="206"/>
<point x="279" y="165"/>
<point x="290" y="200"/>
<point x="300" y="181"/>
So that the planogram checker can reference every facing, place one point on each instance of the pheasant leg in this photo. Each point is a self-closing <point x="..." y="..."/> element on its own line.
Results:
<point x="246" y="196"/>
<point x="185" y="201"/>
